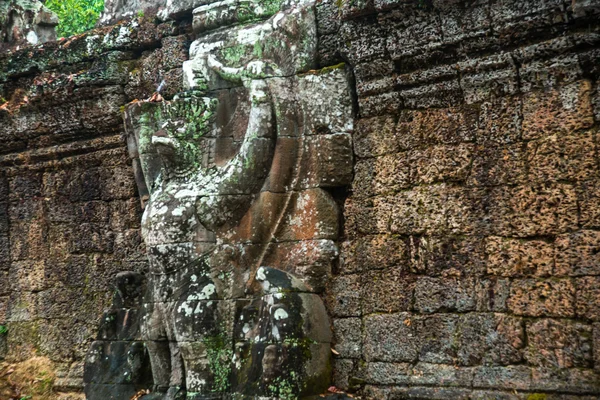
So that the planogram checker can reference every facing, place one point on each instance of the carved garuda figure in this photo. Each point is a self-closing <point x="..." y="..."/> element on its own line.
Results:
<point x="239" y="225"/>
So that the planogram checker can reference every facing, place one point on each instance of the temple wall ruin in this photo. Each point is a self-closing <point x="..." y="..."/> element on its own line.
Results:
<point x="469" y="263"/>
<point x="70" y="213"/>
<point x="469" y="267"/>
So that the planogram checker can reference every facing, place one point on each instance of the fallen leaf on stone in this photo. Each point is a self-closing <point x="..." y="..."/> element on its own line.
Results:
<point x="139" y="394"/>
<point x="333" y="389"/>
<point x="335" y="352"/>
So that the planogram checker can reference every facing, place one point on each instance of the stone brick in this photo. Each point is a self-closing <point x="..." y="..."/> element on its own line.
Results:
<point x="389" y="337"/>
<point x="512" y="377"/>
<point x="375" y="136"/>
<point x="588" y="197"/>
<point x="373" y="252"/>
<point x="500" y="120"/>
<point x="578" y="254"/>
<point x="596" y="345"/>
<point x="547" y="74"/>
<point x="447" y="255"/>
<point x="29" y="240"/>
<point x="560" y="111"/>
<point x="434" y="95"/>
<point x="495" y="164"/>
<point x="490" y="339"/>
<point x="380" y="104"/>
<point x="559" y="344"/>
<point x="413" y="34"/>
<point x="492" y="294"/>
<point x="363" y="41"/>
<point x="361" y="217"/>
<point x="343" y="296"/>
<point x="432" y="393"/>
<point x="386" y="373"/>
<point x="348" y="337"/>
<point x="28" y="276"/>
<point x="117" y="183"/>
<point x="440" y="375"/>
<point x="514" y="21"/>
<point x="444" y="294"/>
<point x="420" y="210"/>
<point x="388" y="290"/>
<point x="533" y="210"/>
<point x="90" y="238"/>
<point x="435" y="337"/>
<point x="342" y="371"/>
<point x="535" y="298"/>
<point x="382" y="175"/>
<point x="332" y="170"/>
<point x="452" y="125"/>
<point x="514" y="257"/>
<point x="563" y="157"/>
<point x="572" y="380"/>
<point x="588" y="297"/>
<point x="441" y="164"/>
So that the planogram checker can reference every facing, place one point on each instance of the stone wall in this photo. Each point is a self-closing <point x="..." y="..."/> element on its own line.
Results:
<point x="470" y="264"/>
<point x="69" y="209"/>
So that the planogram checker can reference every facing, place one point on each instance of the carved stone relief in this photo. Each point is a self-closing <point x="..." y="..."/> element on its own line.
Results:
<point x="239" y="225"/>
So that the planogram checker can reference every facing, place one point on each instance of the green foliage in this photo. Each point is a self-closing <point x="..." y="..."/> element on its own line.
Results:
<point x="3" y="330"/>
<point x="76" y="16"/>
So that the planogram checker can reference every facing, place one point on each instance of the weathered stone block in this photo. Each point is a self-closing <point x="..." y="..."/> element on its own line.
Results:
<point x="562" y="157"/>
<point x="343" y="296"/>
<point x="342" y="373"/>
<point x="577" y="253"/>
<point x="435" y="294"/>
<point x="588" y="197"/>
<point x="500" y="120"/>
<point x="490" y="339"/>
<point x="362" y="217"/>
<point x="382" y="175"/>
<point x="389" y="337"/>
<point x="373" y="252"/>
<point x="560" y="111"/>
<point x="348" y="337"/>
<point x="498" y="165"/>
<point x="559" y="344"/>
<point x="433" y="393"/>
<point x="387" y="373"/>
<point x="535" y="298"/>
<point x="572" y="380"/>
<point x="434" y="336"/>
<point x="492" y="294"/>
<point x="447" y="255"/>
<point x="512" y="377"/>
<point x="376" y="136"/>
<point x="514" y="257"/>
<point x="588" y="297"/>
<point x="441" y="164"/>
<point x="335" y="169"/>
<point x="388" y="290"/>
<point x="533" y="210"/>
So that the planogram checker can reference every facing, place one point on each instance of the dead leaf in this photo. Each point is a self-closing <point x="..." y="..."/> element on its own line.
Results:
<point x="335" y="352"/>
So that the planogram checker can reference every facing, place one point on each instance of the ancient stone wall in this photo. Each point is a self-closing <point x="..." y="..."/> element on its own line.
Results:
<point x="470" y="263"/>
<point x="69" y="209"/>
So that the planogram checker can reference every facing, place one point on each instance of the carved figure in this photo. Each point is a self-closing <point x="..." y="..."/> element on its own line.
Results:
<point x="239" y="230"/>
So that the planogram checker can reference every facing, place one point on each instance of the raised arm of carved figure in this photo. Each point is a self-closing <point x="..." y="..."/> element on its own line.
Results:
<point x="246" y="171"/>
